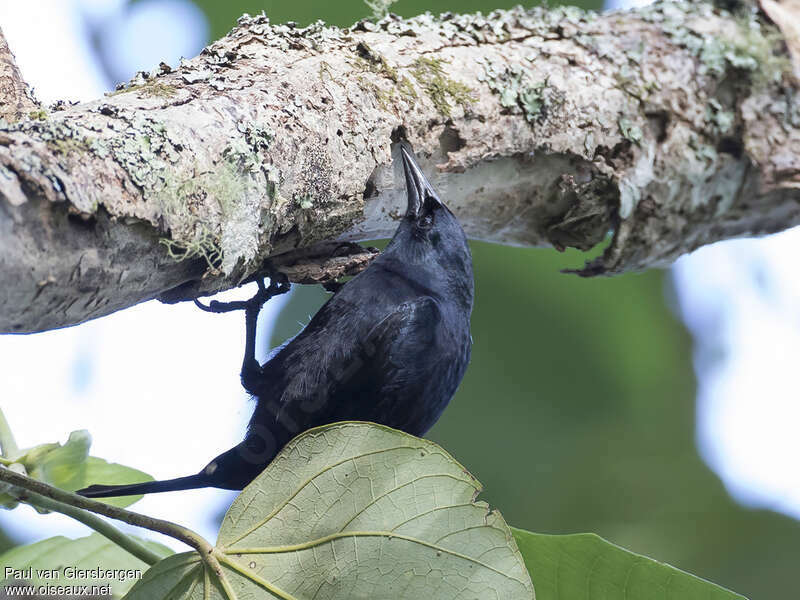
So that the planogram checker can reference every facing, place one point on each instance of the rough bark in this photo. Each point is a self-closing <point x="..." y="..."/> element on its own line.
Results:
<point x="672" y="126"/>
<point x="16" y="99"/>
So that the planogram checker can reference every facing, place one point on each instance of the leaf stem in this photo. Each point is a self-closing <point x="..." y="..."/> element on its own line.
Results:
<point x="206" y="551"/>
<point x="8" y="445"/>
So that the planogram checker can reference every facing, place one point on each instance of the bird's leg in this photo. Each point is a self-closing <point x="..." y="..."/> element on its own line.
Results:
<point x="251" y="369"/>
<point x="278" y="284"/>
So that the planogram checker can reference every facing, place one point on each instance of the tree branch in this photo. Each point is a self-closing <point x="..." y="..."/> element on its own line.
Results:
<point x="16" y="99"/>
<point x="672" y="126"/>
<point x="104" y="528"/>
<point x="41" y="492"/>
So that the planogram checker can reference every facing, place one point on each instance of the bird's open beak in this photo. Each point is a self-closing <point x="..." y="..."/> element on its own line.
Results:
<point x="417" y="185"/>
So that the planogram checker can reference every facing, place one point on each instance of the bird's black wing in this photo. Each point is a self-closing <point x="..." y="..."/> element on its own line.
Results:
<point x="397" y="351"/>
<point x="397" y="374"/>
<point x="413" y="364"/>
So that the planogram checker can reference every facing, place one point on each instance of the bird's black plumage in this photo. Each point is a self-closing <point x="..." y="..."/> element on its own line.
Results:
<point x="391" y="346"/>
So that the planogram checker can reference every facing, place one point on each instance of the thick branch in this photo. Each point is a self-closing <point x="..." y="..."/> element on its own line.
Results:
<point x="672" y="126"/>
<point x="16" y="100"/>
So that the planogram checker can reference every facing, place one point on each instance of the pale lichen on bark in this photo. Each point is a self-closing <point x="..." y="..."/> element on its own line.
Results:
<point x="670" y="126"/>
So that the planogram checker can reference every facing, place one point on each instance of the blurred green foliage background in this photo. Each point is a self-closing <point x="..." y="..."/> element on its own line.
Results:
<point x="577" y="412"/>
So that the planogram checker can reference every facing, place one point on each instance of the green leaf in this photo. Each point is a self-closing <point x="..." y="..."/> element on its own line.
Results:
<point x="61" y="466"/>
<point x="33" y="563"/>
<point x="354" y="510"/>
<point x="97" y="470"/>
<point x="586" y="566"/>
<point x="70" y="468"/>
<point x="32" y="455"/>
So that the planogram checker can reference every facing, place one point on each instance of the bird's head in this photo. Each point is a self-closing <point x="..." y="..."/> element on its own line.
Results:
<point x="429" y="236"/>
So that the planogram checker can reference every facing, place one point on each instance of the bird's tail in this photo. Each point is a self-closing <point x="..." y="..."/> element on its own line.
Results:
<point x="231" y="470"/>
<point x="147" y="487"/>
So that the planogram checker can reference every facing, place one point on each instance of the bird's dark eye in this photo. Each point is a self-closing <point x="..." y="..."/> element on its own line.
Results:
<point x="425" y="220"/>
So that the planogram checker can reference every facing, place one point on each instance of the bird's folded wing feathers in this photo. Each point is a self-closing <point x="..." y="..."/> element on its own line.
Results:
<point x="401" y="341"/>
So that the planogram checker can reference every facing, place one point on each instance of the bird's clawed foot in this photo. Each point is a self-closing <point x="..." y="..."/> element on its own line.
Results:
<point x="278" y="284"/>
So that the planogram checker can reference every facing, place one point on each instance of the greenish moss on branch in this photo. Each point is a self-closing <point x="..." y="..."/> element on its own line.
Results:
<point x="203" y="246"/>
<point x="243" y="164"/>
<point x="371" y="61"/>
<point x="441" y="89"/>
<point x="375" y="62"/>
<point x="151" y="89"/>
<point x="72" y="144"/>
<point x="382" y="96"/>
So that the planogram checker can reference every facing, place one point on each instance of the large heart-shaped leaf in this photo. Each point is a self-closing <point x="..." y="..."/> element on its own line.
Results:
<point x="354" y="510"/>
<point x="44" y="563"/>
<point x="585" y="565"/>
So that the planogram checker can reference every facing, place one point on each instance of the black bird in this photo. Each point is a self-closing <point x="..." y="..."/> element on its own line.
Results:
<point x="390" y="346"/>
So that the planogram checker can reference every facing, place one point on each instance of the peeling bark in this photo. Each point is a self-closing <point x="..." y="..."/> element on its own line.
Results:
<point x="671" y="127"/>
